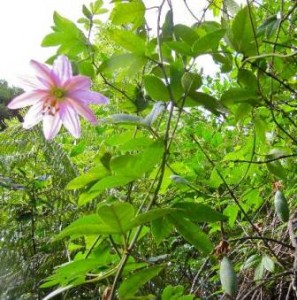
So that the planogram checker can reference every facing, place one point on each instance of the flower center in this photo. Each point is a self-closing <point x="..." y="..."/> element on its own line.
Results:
<point x="58" y="93"/>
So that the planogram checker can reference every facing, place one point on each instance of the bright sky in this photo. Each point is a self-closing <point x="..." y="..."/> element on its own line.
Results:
<point x="24" y="23"/>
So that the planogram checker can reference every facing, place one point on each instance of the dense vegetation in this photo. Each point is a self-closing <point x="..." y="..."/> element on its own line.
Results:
<point x="186" y="188"/>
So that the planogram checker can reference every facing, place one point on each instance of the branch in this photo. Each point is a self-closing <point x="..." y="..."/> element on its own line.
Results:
<point x="259" y="162"/>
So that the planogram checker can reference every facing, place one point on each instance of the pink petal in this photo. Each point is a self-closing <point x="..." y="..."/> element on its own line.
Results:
<point x="33" y="116"/>
<point x="77" y="83"/>
<point x="51" y="126"/>
<point x="44" y="74"/>
<point x="26" y="99"/>
<point x="88" y="97"/>
<point x="62" y="68"/>
<point x="70" y="120"/>
<point x="83" y="110"/>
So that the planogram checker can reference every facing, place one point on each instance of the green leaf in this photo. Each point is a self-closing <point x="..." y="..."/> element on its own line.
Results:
<point x="191" y="82"/>
<point x="185" y="33"/>
<point x="117" y="216"/>
<point x="86" y="68"/>
<point x="135" y="165"/>
<point x="156" y="88"/>
<point x="192" y="233"/>
<point x="153" y="215"/>
<point x="208" y="42"/>
<point x="198" y="212"/>
<point x="121" y="61"/>
<point x="127" y="13"/>
<point x="175" y="293"/>
<point x="128" y="40"/>
<point x="134" y="282"/>
<point x="87" y="12"/>
<point x="161" y="228"/>
<point x="92" y="175"/>
<point x="78" y="149"/>
<point x="247" y="79"/>
<point x="240" y="95"/>
<point x="180" y="47"/>
<point x="208" y="101"/>
<point x="86" y="225"/>
<point x="269" y="26"/>
<point x="167" y="27"/>
<point x="242" y="35"/>
<point x="268" y="263"/>
<point x="111" y="182"/>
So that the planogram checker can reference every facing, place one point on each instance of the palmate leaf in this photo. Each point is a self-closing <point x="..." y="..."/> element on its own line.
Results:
<point x="67" y="35"/>
<point x="127" y="13"/>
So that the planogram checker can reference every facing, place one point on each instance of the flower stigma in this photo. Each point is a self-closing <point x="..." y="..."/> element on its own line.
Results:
<point x="58" y="93"/>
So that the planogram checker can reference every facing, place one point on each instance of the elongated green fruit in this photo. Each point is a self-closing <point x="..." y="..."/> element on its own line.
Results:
<point x="281" y="206"/>
<point x="228" y="277"/>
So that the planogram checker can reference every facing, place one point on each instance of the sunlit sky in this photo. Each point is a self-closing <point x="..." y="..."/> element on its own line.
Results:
<point x="24" y="23"/>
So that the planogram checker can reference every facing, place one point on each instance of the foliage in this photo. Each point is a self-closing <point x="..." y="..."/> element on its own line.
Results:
<point x="172" y="196"/>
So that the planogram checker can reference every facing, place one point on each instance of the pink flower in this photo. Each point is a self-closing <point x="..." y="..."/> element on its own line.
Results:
<point x="57" y="98"/>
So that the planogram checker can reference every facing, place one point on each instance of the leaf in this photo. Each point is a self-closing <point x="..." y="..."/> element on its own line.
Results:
<point x="247" y="79"/>
<point x="191" y="82"/>
<point x="191" y="233"/>
<point x="131" y="285"/>
<point x="127" y="13"/>
<point x="161" y="228"/>
<point x="153" y="215"/>
<point x="269" y="26"/>
<point x="208" y="42"/>
<point x="167" y="27"/>
<point x="117" y="216"/>
<point x="185" y="33"/>
<point x="207" y="101"/>
<point x="156" y="88"/>
<point x="111" y="182"/>
<point x="86" y="68"/>
<point x="268" y="263"/>
<point x="175" y="293"/>
<point x="240" y="95"/>
<point x="135" y="165"/>
<point x="242" y="36"/>
<point x="121" y="61"/>
<point x="78" y="149"/>
<point x="86" y="225"/>
<point x="180" y="47"/>
<point x="198" y="212"/>
<point x="128" y="40"/>
<point x="92" y="175"/>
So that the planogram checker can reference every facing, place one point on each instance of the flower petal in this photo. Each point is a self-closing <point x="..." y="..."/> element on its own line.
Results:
<point x="51" y="126"/>
<point x="88" y="97"/>
<point x="33" y="116"/>
<point x="70" y="120"/>
<point x="77" y="83"/>
<point x="26" y="99"/>
<point x="44" y="74"/>
<point x="62" y="68"/>
<point x="83" y="110"/>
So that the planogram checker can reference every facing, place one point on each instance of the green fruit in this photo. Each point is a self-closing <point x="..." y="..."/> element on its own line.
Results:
<point x="281" y="206"/>
<point x="228" y="277"/>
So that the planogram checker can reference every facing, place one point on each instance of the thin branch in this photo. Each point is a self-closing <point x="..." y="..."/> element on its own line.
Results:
<point x="259" y="162"/>
<point x="263" y="238"/>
